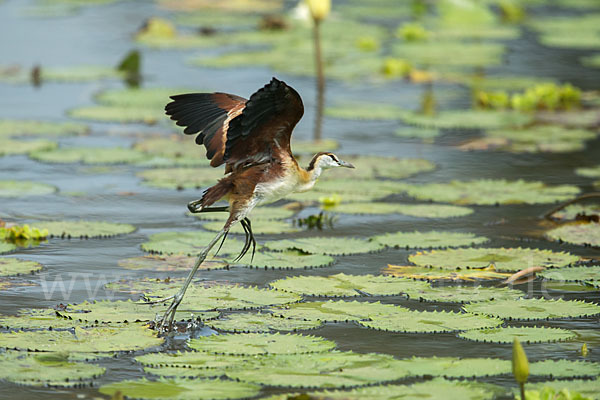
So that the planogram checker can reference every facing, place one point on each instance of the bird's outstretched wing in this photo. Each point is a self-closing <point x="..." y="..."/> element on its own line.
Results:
<point x="239" y="132"/>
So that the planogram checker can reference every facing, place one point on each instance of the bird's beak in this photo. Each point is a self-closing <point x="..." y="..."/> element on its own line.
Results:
<point x="345" y="164"/>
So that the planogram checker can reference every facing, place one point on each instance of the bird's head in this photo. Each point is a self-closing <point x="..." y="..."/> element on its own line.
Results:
<point x="326" y="160"/>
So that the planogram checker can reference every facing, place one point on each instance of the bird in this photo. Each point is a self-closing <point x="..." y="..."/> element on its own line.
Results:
<point x="252" y="138"/>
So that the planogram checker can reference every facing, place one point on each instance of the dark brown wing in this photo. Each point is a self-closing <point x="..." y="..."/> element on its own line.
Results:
<point x="209" y="115"/>
<point x="264" y="125"/>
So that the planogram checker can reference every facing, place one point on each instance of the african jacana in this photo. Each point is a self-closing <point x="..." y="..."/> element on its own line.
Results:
<point x="252" y="138"/>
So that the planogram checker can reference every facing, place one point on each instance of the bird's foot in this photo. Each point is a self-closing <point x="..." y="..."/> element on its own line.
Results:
<point x="250" y="241"/>
<point x="159" y="301"/>
<point x="164" y="324"/>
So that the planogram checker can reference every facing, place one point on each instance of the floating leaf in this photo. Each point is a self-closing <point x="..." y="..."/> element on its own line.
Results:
<point x="144" y="285"/>
<point x="363" y="111"/>
<point x="140" y="97"/>
<point x="587" y="234"/>
<point x="6" y="247"/>
<point x="573" y="274"/>
<point x="188" y="243"/>
<point x="435" y="274"/>
<point x="313" y="147"/>
<point x="531" y="309"/>
<point x="463" y="294"/>
<point x="226" y="297"/>
<point x="320" y="370"/>
<point x="265" y="213"/>
<point x="181" y="389"/>
<point x="258" y="227"/>
<point x="160" y="263"/>
<point x="592" y="61"/>
<point x="413" y="210"/>
<point x="326" y="245"/>
<point x="80" y="73"/>
<point x="467" y="119"/>
<point x="511" y="259"/>
<point x="580" y="32"/>
<point x="117" y="114"/>
<point x="36" y="318"/>
<point x="524" y="334"/>
<point x="368" y="167"/>
<point x="181" y="178"/>
<point x="572" y="118"/>
<point x="342" y="285"/>
<point x="565" y="369"/>
<point x="452" y="367"/>
<point x="431" y="239"/>
<point x="444" y="53"/>
<point x="24" y="188"/>
<point x="171" y="151"/>
<point x="492" y="191"/>
<point x="260" y="323"/>
<point x="338" y="311"/>
<point x="260" y="343"/>
<point x="96" y="339"/>
<point x="587" y="388"/>
<point x="52" y="369"/>
<point x="190" y="359"/>
<point x="13" y="128"/>
<point x="14" y="266"/>
<point x="290" y="259"/>
<point x="430" y="322"/>
<point x="360" y="186"/>
<point x="10" y="146"/>
<point x="85" y="229"/>
<point x="90" y="155"/>
<point x="572" y="211"/>
<point x="421" y="133"/>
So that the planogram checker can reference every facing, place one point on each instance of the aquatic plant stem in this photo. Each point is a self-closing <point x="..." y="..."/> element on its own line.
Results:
<point x="572" y="201"/>
<point x="522" y="386"/>
<point x="320" y="80"/>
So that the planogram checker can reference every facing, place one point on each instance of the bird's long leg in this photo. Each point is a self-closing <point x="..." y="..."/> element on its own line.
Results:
<point x="246" y="247"/>
<point x="222" y="242"/>
<point x="166" y="322"/>
<point x="251" y="237"/>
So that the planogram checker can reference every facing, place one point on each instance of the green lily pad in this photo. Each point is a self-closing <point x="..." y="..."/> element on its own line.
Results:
<point x="14" y="266"/>
<point x="313" y="196"/>
<point x="11" y="147"/>
<point x="467" y="119"/>
<point x="579" y="32"/>
<point x="225" y="297"/>
<point x="265" y="213"/>
<point x="573" y="274"/>
<point x="531" y="309"/>
<point x="189" y="360"/>
<point x="413" y="210"/>
<point x="431" y="239"/>
<point x="171" y="151"/>
<point x="358" y="111"/>
<point x="13" y="128"/>
<point x="338" y="311"/>
<point x="430" y="322"/>
<point x="512" y="259"/>
<point x="117" y="114"/>
<point x="571" y="212"/>
<point x="587" y="234"/>
<point x="590" y="172"/>
<point x="36" y="318"/>
<point x="260" y="323"/>
<point x="419" y="133"/>
<point x="368" y="167"/>
<point x="162" y="263"/>
<point x="592" y="61"/>
<point x="439" y="274"/>
<point x="310" y="147"/>
<point x="188" y="243"/>
<point x="52" y="369"/>
<point x="85" y="229"/>
<point x="217" y="18"/>
<point x="434" y="389"/>
<point x="453" y="367"/>
<point x="349" y="187"/>
<point x="90" y="155"/>
<point x="588" y="388"/>
<point x="326" y="245"/>
<point x="258" y="227"/>
<point x="491" y="192"/>
<point x="290" y="259"/>
<point x="565" y="369"/>
<point x="446" y="53"/>
<point x="260" y="343"/>
<point x="181" y="178"/>
<point x="80" y="73"/>
<point x="573" y="118"/>
<point x="6" y="247"/>
<point x="524" y="334"/>
<point x="181" y="389"/>
<point x="144" y="284"/>
<point x="342" y="285"/>
<point x="7" y="284"/>
<point x="140" y="97"/>
<point x="320" y="370"/>
<point x="95" y="339"/>
<point x="24" y="188"/>
<point x="464" y="294"/>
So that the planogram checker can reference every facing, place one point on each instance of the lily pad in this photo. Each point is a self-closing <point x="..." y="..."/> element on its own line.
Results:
<point x="36" y="318"/>
<point x="453" y="367"/>
<point x="413" y="210"/>
<point x="290" y="259"/>
<point x="260" y="323"/>
<point x="565" y="369"/>
<point x="90" y="155"/>
<point x="579" y="32"/>
<point x="190" y="359"/>
<point x="89" y="340"/>
<point x="14" y="128"/>
<point x="11" y="147"/>
<point x="24" y="188"/>
<point x="592" y="61"/>
<point x="430" y="322"/>
<point x="258" y="227"/>
<point x="140" y="97"/>
<point x="467" y="119"/>
<point x="85" y="229"/>
<point x="357" y="111"/>
<point x="524" y="334"/>
<point x="573" y="274"/>
<point x="313" y="147"/>
<point x="431" y="239"/>
<point x="359" y="187"/>
<point x="6" y="247"/>
<point x="532" y="309"/>
<point x="171" y="151"/>
<point x="338" y="311"/>
<point x="464" y="294"/>
<point x="420" y="133"/>
<point x="162" y="263"/>
<point x="260" y="343"/>
<point x="342" y="285"/>
<point x="511" y="259"/>
<point x="445" y="53"/>
<point x="572" y="211"/>
<point x="588" y="388"/>
<point x="439" y="274"/>
<point x="326" y="245"/>
<point x="320" y="370"/>
<point x="589" y="172"/>
<point x="492" y="192"/>
<point x="188" y="243"/>
<point x="14" y="266"/>
<point x="368" y="167"/>
<point x="144" y="284"/>
<point x="181" y="178"/>
<point x="182" y="389"/>
<point x="265" y="213"/>
<point x="80" y="73"/>
<point x="52" y="369"/>
<point x="587" y="234"/>
<point x="120" y="114"/>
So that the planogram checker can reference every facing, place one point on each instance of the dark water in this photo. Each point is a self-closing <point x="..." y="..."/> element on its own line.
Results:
<point x="101" y="35"/>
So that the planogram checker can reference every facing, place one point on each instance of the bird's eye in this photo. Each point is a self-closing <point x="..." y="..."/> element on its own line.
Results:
<point x="333" y="157"/>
